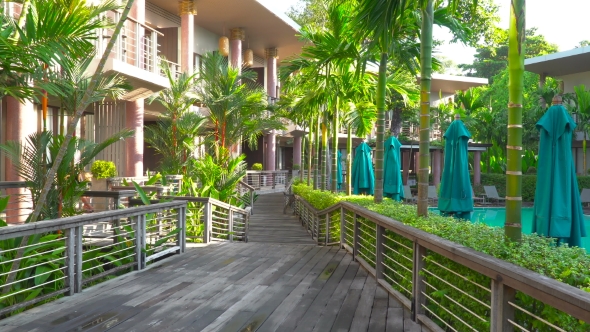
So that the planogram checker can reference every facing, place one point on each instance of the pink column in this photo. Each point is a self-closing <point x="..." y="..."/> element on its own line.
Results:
<point x="187" y="41"/>
<point x="406" y="165"/>
<point x="21" y="122"/>
<point x="271" y="90"/>
<point x="477" y="167"/>
<point x="436" y="169"/>
<point x="134" y="145"/>
<point x="297" y="151"/>
<point x="237" y="35"/>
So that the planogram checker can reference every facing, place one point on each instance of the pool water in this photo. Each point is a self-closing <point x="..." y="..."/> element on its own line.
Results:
<point x="497" y="216"/>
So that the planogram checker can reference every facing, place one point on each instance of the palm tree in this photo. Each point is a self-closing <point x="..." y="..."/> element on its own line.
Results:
<point x="516" y="52"/>
<point x="238" y="107"/>
<point x="582" y="101"/>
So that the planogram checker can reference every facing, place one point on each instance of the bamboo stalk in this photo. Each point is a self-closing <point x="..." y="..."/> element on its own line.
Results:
<point x="381" y="90"/>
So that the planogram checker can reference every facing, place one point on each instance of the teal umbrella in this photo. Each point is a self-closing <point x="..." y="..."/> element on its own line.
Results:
<point x="455" y="188"/>
<point x="363" y="180"/>
<point x="558" y="211"/>
<point x="393" y="186"/>
<point x="339" y="170"/>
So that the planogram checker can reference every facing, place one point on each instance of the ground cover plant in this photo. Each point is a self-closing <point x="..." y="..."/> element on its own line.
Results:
<point x="538" y="254"/>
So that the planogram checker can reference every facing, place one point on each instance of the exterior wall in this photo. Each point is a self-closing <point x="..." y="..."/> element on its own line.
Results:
<point x="569" y="81"/>
<point x="205" y="40"/>
<point x="160" y="18"/>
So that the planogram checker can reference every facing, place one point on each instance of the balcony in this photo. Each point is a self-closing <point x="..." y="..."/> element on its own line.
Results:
<point x="135" y="56"/>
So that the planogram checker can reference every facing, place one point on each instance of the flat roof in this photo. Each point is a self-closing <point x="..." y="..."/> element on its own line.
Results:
<point x="264" y="27"/>
<point x="452" y="83"/>
<point x="560" y="63"/>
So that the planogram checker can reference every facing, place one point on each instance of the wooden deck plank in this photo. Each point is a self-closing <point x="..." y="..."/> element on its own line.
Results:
<point x="360" y="322"/>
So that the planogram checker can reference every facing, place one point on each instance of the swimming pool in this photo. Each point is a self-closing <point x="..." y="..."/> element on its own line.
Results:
<point x="496" y="217"/>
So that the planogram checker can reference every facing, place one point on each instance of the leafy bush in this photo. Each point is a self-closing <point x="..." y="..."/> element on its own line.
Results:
<point x="539" y="254"/>
<point x="102" y="169"/>
<point x="257" y="167"/>
<point x="296" y="167"/>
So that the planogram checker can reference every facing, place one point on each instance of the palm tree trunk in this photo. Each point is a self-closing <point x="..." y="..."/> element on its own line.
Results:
<point x="324" y="156"/>
<point x="62" y="150"/>
<point x="335" y="128"/>
<point x="302" y="166"/>
<point x="349" y="160"/>
<point x="316" y="156"/>
<point x="310" y="153"/>
<point x="381" y="85"/>
<point x="516" y="33"/>
<point x="425" y="77"/>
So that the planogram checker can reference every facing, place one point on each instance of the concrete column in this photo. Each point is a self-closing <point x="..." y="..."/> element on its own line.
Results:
<point x="477" y="167"/>
<point x="20" y="123"/>
<point x="271" y="90"/>
<point x="134" y="145"/>
<point x="436" y="166"/>
<point x="406" y="166"/>
<point x="187" y="41"/>
<point x="237" y="35"/>
<point x="297" y="151"/>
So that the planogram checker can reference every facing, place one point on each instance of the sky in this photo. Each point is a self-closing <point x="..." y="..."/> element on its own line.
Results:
<point x="562" y="22"/>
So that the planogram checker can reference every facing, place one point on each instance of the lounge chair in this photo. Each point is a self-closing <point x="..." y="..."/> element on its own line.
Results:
<point x="408" y="197"/>
<point x="492" y="194"/>
<point x="432" y="194"/>
<point x="585" y="196"/>
<point x="476" y="199"/>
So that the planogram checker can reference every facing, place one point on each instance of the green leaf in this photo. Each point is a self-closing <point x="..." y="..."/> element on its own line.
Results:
<point x="41" y="278"/>
<point x="144" y="198"/>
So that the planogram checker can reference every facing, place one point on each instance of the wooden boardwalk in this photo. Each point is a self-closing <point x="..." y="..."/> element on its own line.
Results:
<point x="252" y="286"/>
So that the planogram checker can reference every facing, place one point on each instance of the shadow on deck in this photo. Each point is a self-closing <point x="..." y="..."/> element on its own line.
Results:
<point x="256" y="286"/>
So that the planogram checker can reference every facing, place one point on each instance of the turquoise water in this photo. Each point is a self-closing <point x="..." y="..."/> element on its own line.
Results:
<point x="497" y="216"/>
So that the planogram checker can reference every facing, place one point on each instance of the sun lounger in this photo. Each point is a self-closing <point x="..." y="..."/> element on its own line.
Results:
<point x="585" y="196"/>
<point x="492" y="194"/>
<point x="476" y="199"/>
<point x="408" y="195"/>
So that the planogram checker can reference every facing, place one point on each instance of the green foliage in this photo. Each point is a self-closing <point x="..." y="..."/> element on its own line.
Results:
<point x="102" y="169"/>
<point x="219" y="176"/>
<point x="296" y="167"/>
<point x="539" y="254"/>
<point x="257" y="167"/>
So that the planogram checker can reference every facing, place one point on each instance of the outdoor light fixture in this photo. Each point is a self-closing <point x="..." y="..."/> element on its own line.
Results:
<point x="249" y="57"/>
<point x="187" y="7"/>
<point x="224" y="46"/>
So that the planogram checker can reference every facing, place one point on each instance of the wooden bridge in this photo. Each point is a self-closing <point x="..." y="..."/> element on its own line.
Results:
<point x="279" y="281"/>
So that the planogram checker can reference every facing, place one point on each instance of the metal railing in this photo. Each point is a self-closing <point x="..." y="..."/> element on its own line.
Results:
<point x="65" y="255"/>
<point x="20" y="203"/>
<point x="246" y="189"/>
<point x="267" y="180"/>
<point x="137" y="45"/>
<point x="447" y="286"/>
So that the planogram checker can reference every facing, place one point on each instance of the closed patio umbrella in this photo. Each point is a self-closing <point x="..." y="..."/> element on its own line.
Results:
<point x="363" y="179"/>
<point x="558" y="211"/>
<point x="339" y="170"/>
<point x="393" y="186"/>
<point x="455" y="188"/>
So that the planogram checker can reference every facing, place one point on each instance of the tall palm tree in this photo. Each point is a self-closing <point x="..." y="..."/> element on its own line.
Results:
<point x="516" y="52"/>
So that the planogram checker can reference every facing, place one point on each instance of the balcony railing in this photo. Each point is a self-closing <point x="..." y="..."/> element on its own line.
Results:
<point x="137" y="45"/>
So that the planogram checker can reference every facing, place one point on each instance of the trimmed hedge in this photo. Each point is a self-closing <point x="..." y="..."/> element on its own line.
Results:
<point x="539" y="254"/>
<point x="529" y="183"/>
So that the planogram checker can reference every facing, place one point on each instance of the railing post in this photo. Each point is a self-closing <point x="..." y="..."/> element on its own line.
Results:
<point x="207" y="223"/>
<point x="327" y="228"/>
<point x="342" y="227"/>
<point x="138" y="49"/>
<point x="251" y="201"/>
<point x="273" y="179"/>
<point x="246" y="227"/>
<point x="230" y="226"/>
<point x="379" y="252"/>
<point x="418" y="286"/>
<point x="138" y="247"/>
<point x="355" y="238"/>
<point x="316" y="220"/>
<point x="78" y="265"/>
<point x="181" y="224"/>
<point x="154" y="55"/>
<point x="502" y="311"/>
<point x="142" y="239"/>
<point x="71" y="261"/>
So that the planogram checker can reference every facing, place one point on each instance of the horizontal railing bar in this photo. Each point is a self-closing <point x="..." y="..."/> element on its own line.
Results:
<point x="109" y="262"/>
<point x="33" y="301"/>
<point x="75" y="221"/>
<point x="108" y="272"/>
<point x="161" y="253"/>
<point x="457" y="303"/>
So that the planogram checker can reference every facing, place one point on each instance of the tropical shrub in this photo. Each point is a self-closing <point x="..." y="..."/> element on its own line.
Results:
<point x="538" y="254"/>
<point x="257" y="167"/>
<point x="102" y="169"/>
<point x="296" y="167"/>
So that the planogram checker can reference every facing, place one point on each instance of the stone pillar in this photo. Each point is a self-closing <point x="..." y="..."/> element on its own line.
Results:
<point x="436" y="166"/>
<point x="271" y="90"/>
<point x="406" y="166"/>
<point x="297" y="151"/>
<point x="20" y="123"/>
<point x="187" y="34"/>
<point x="477" y="167"/>
<point x="134" y="145"/>
<point x="237" y="36"/>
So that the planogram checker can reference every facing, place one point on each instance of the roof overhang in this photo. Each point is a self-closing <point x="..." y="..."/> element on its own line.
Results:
<point x="264" y="27"/>
<point x="560" y="63"/>
<point x="449" y="84"/>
